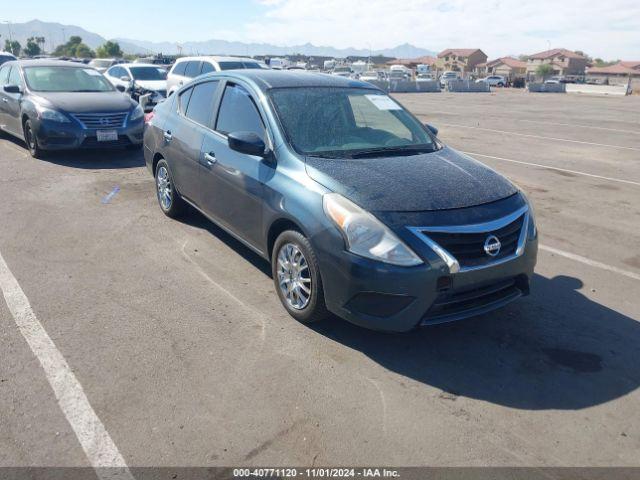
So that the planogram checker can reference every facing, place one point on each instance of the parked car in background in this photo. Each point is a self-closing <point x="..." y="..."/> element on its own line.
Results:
<point x="343" y="71"/>
<point x="424" y="77"/>
<point x="555" y="80"/>
<point x="493" y="80"/>
<point x="58" y="105"/>
<point x="358" y="206"/>
<point x="370" y="76"/>
<point x="447" y="76"/>
<point x="102" y="64"/>
<point x="140" y="79"/>
<point x="187" y="68"/>
<point x="6" y="57"/>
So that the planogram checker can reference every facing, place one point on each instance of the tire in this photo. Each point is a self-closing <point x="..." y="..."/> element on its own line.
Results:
<point x="32" y="141"/>
<point x="169" y="199"/>
<point x="293" y="260"/>
<point x="501" y="84"/>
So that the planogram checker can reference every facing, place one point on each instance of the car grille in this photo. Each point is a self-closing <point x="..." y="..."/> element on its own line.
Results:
<point x="458" y="305"/>
<point x="102" y="120"/>
<point x="466" y="244"/>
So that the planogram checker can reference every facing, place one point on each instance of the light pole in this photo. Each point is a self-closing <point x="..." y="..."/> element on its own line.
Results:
<point x="8" y="22"/>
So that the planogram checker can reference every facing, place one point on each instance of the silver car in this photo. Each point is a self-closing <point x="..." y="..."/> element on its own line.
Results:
<point x="187" y="68"/>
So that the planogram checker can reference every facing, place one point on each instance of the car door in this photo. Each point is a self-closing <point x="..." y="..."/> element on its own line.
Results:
<point x="231" y="182"/>
<point x="4" y="76"/>
<point x="12" y="102"/>
<point x="183" y="135"/>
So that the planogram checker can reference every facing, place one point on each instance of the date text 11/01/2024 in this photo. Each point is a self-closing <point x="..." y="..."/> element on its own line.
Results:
<point x="315" y="473"/>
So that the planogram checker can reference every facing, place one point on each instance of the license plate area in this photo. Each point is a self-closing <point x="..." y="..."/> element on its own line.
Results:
<point x="107" y="135"/>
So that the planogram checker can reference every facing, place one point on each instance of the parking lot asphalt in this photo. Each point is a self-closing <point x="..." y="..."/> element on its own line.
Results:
<point x="177" y="339"/>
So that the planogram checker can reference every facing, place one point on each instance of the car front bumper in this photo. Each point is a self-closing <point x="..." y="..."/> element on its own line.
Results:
<point x="70" y="136"/>
<point x="390" y="298"/>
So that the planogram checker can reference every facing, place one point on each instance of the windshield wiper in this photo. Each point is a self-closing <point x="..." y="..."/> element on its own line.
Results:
<point x="390" y="151"/>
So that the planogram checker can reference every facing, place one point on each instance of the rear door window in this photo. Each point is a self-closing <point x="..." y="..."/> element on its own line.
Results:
<point x="192" y="70"/>
<point x="206" y="68"/>
<point x="201" y="103"/>
<point x="179" y="68"/>
<point x="238" y="112"/>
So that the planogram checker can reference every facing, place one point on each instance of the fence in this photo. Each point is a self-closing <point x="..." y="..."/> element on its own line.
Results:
<point x="547" y="87"/>
<point x="467" y="86"/>
<point x="405" y="86"/>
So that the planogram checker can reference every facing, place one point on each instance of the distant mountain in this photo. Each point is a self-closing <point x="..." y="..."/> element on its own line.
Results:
<point x="56" y="34"/>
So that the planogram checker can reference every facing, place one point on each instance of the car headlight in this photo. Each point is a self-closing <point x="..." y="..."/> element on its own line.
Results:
<point x="365" y="235"/>
<point x="137" y="113"/>
<point x="50" y="114"/>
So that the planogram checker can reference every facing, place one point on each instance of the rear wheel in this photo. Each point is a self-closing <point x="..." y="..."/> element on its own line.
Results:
<point x="32" y="141"/>
<point x="297" y="277"/>
<point x="170" y="201"/>
<point x="500" y="84"/>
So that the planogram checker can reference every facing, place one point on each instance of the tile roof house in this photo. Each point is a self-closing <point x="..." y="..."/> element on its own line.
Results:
<point x="508" y="67"/>
<point x="460" y="59"/>
<point x="563" y="62"/>
<point x="620" y="72"/>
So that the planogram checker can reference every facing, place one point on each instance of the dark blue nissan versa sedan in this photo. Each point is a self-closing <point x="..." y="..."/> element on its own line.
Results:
<point x="361" y="210"/>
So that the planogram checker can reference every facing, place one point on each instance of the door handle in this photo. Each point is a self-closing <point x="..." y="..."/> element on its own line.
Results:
<point x="167" y="136"/>
<point x="210" y="158"/>
<point x="5" y="100"/>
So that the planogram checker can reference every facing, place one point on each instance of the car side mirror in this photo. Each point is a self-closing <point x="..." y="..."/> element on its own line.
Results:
<point x="12" y="89"/>
<point x="248" y="143"/>
<point x="121" y="88"/>
<point x="432" y="129"/>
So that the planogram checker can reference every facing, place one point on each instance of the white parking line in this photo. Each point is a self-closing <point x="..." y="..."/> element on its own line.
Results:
<point x="630" y="182"/>
<point x="591" y="263"/>
<point x="92" y="435"/>
<point x="542" y="137"/>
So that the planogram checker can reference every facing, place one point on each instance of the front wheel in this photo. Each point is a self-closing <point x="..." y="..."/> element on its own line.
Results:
<point x="170" y="201"/>
<point x="297" y="277"/>
<point x="32" y="141"/>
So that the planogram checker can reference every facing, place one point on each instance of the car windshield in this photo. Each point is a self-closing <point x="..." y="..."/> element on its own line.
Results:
<point x="100" y="63"/>
<point x="148" y="73"/>
<point x="348" y="122"/>
<point x="239" y="65"/>
<point x="66" y="79"/>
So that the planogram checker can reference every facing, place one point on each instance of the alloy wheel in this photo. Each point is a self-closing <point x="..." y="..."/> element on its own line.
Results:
<point x="294" y="278"/>
<point x="163" y="182"/>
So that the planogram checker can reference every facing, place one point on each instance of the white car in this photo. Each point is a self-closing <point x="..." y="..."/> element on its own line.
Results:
<point x="103" y="64"/>
<point x="446" y="76"/>
<point x="187" y="68"/>
<point x="342" y="72"/>
<point x="493" y="80"/>
<point x="145" y="77"/>
<point x="6" y="57"/>
<point x="424" y="77"/>
<point x="370" y="76"/>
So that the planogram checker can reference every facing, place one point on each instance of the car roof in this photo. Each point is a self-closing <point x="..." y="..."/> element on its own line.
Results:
<point x="127" y="65"/>
<point x="43" y="62"/>
<point x="268" y="79"/>
<point x="217" y="58"/>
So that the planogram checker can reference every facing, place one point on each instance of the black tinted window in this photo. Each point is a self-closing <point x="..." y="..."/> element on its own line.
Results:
<point x="238" y="113"/>
<point x="183" y="100"/>
<point x="179" y="68"/>
<point x="238" y="65"/>
<point x="207" y="68"/>
<point x="201" y="102"/>
<point x="192" y="70"/>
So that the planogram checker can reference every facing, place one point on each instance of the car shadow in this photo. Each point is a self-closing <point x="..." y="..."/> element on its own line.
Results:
<point x="116" y="158"/>
<point x="556" y="349"/>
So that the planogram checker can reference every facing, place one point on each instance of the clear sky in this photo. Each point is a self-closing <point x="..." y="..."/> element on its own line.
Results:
<point x="608" y="29"/>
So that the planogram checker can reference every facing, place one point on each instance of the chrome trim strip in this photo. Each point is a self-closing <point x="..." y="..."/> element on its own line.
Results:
<point x="452" y="262"/>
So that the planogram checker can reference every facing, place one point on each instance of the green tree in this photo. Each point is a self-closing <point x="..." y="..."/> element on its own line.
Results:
<point x="74" y="48"/>
<point x="32" y="48"/>
<point x="12" y="47"/>
<point x="109" y="49"/>
<point x="544" y="70"/>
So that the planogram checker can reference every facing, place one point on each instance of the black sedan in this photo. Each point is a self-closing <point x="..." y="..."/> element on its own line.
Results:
<point x="56" y="105"/>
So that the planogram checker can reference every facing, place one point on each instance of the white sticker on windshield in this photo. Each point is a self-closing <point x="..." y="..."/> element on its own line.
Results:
<point x="90" y="71"/>
<point x="383" y="102"/>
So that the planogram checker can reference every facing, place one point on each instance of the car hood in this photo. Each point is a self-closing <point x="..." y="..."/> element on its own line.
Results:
<point x="85" y="102"/>
<point x="440" y="180"/>
<point x="153" y="85"/>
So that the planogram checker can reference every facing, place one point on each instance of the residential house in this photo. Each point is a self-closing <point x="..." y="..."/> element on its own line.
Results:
<point x="564" y="62"/>
<point x="620" y="73"/>
<point x="460" y="59"/>
<point x="414" y="62"/>
<point x="509" y="67"/>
